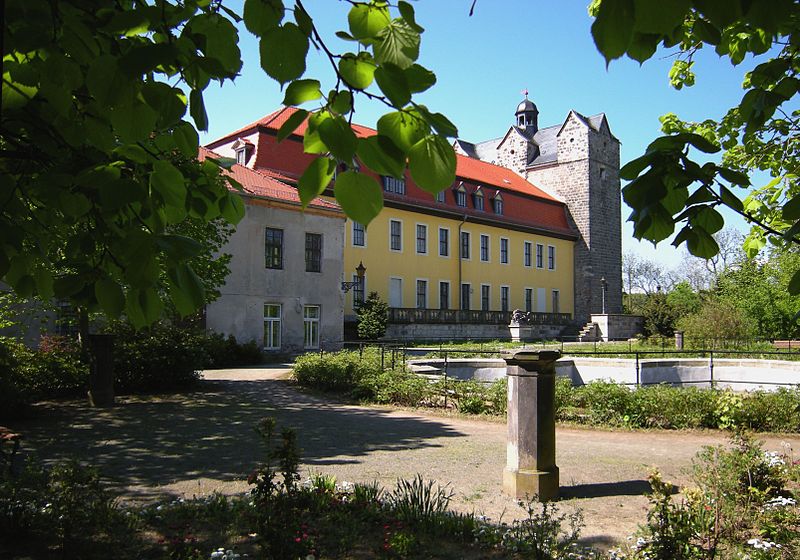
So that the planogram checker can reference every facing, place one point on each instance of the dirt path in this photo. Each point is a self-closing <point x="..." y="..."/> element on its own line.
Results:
<point x="202" y="442"/>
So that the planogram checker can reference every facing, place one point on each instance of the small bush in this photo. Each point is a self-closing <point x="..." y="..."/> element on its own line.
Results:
<point x="339" y="371"/>
<point x="222" y="352"/>
<point x="373" y="316"/>
<point x="158" y="358"/>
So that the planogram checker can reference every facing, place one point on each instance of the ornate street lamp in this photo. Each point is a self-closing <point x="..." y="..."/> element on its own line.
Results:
<point x="360" y="270"/>
<point x="603" y="290"/>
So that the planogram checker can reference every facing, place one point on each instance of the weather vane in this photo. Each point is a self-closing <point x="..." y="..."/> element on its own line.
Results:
<point x="525" y="92"/>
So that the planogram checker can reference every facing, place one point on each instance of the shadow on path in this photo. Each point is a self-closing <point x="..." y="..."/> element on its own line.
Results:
<point x="156" y="440"/>
<point x="608" y="489"/>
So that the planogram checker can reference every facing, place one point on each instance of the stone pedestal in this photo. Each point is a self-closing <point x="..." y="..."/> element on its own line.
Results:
<point x="101" y="379"/>
<point x="531" y="445"/>
<point x="520" y="333"/>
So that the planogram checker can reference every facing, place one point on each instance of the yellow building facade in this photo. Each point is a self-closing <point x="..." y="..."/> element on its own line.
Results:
<point x="502" y="268"/>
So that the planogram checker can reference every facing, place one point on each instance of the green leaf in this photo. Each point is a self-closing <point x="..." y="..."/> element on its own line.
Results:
<point x="300" y="91"/>
<point x="340" y="102"/>
<point x="186" y="139"/>
<point x="110" y="297"/>
<point x="634" y="168"/>
<point x="733" y="176"/>
<point x="178" y="247"/>
<point x="791" y="210"/>
<point x="660" y="17"/>
<point x="407" y="12"/>
<point x="106" y="81"/>
<point x="438" y="122"/>
<point x="304" y="21"/>
<point x="432" y="163"/>
<point x="283" y="52"/>
<point x="794" y="283"/>
<point x="185" y="289"/>
<point x="643" y="46"/>
<point x="419" y="78"/>
<point x="338" y="137"/>
<point x="404" y="128"/>
<point x="359" y="195"/>
<point x="291" y="124"/>
<point x="357" y="71"/>
<point x="133" y="123"/>
<point x="381" y="155"/>
<point x="699" y="142"/>
<point x="231" y="208"/>
<point x="397" y="43"/>
<point x="720" y="12"/>
<point x="197" y="109"/>
<point x="315" y="179"/>
<point x="707" y="32"/>
<point x="730" y="200"/>
<point x="221" y="40"/>
<point x="129" y="23"/>
<point x="708" y="220"/>
<point x="613" y="27"/>
<point x="44" y="284"/>
<point x="143" y="307"/>
<point x="702" y="245"/>
<point x="262" y="15"/>
<point x="168" y="181"/>
<point x="393" y="83"/>
<point x="367" y="20"/>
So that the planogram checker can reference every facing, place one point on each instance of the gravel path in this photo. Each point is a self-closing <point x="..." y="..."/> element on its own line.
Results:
<point x="202" y="442"/>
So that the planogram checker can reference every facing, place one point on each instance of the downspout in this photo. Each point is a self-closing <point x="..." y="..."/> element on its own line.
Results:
<point x="458" y="248"/>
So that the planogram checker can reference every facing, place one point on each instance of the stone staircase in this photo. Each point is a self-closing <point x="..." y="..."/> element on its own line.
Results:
<point x="589" y="333"/>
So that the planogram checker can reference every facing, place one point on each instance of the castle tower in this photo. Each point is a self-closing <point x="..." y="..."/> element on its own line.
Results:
<point x="527" y="116"/>
<point x="585" y="174"/>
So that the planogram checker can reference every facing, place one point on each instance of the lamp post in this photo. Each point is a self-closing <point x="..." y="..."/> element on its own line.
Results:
<point x="603" y="289"/>
<point x="360" y="270"/>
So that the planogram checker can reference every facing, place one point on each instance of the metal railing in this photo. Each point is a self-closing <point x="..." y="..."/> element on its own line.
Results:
<point x="406" y="315"/>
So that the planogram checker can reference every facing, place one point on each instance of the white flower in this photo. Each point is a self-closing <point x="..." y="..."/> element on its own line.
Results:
<point x="780" y="502"/>
<point x="773" y="459"/>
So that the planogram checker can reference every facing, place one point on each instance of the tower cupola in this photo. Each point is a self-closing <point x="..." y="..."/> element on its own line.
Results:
<point x="527" y="115"/>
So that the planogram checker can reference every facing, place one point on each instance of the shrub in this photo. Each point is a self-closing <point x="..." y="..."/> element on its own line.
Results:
<point x="396" y="387"/>
<point x="222" y="352"/>
<point x="161" y="357"/>
<point x="373" y="316"/>
<point x="604" y="402"/>
<point x="339" y="371"/>
<point x="717" y="322"/>
<point x="775" y="411"/>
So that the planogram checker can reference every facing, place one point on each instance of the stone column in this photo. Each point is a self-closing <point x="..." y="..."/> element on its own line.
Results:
<point x="531" y="446"/>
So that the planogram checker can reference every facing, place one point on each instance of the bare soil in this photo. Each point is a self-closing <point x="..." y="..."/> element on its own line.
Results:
<point x="202" y="442"/>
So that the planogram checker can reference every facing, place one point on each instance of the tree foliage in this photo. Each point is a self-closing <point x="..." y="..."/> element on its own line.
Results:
<point x="667" y="186"/>
<point x="373" y="316"/>
<point x="101" y="103"/>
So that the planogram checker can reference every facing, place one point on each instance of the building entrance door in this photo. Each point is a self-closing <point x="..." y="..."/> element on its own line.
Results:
<point x="395" y="292"/>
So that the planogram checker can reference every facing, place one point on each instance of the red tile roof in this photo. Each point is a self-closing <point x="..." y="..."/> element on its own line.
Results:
<point x="467" y="168"/>
<point x="259" y="184"/>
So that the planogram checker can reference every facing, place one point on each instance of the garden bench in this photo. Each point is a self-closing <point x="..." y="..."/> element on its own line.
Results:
<point x="786" y="344"/>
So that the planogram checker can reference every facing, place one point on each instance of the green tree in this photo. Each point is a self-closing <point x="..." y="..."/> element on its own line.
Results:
<point x="101" y="102"/>
<point x="373" y="316"/>
<point x="667" y="186"/>
<point x="683" y="300"/>
<point x="659" y="316"/>
<point x="760" y="290"/>
<point x="717" y="323"/>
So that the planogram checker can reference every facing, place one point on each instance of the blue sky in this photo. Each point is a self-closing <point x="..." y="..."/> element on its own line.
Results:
<point x="483" y="63"/>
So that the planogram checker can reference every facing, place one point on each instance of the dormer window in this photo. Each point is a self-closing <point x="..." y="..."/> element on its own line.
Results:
<point x="393" y="185"/>
<point x="243" y="149"/>
<point x="461" y="196"/>
<point x="440" y="196"/>
<point x="498" y="203"/>
<point x="477" y="199"/>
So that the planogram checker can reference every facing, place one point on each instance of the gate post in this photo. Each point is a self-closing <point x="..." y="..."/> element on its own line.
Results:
<point x="531" y="442"/>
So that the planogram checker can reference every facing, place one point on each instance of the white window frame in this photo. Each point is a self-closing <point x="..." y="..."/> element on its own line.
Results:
<point x="507" y="251"/>
<point x="424" y="240"/>
<point x="527" y="254"/>
<point x="551" y="257"/>
<point x="532" y="291"/>
<point x="447" y="303"/>
<point x="485" y="248"/>
<point x="417" y="283"/>
<point x="539" y="256"/>
<point x="555" y="297"/>
<point x="360" y="287"/>
<point x="272" y="322"/>
<point x="488" y="297"/>
<point x="507" y="290"/>
<point x="394" y="185"/>
<point x="461" y="293"/>
<point x="311" y="327"/>
<point x="461" y="245"/>
<point x="441" y="229"/>
<point x="241" y="155"/>
<point x="461" y="194"/>
<point x="353" y="235"/>
<point x="400" y="223"/>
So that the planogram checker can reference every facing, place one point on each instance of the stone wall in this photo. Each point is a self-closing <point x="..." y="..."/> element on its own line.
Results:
<point x="618" y="327"/>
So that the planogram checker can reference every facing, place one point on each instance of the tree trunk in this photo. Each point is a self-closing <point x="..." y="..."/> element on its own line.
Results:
<point x="97" y="351"/>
